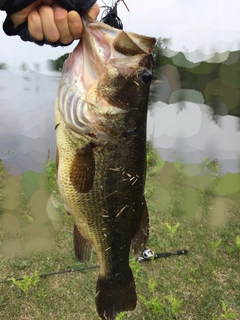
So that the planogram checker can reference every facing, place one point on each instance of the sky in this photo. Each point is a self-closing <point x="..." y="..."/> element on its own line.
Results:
<point x="208" y="26"/>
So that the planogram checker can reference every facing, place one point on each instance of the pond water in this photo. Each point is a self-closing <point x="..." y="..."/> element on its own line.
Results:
<point x="27" y="120"/>
<point x="184" y="129"/>
<point x="179" y="130"/>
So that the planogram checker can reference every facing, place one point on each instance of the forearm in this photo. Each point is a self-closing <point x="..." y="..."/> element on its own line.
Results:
<point x="17" y="5"/>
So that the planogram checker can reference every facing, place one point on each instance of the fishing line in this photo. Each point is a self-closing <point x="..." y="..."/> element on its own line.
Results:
<point x="146" y="255"/>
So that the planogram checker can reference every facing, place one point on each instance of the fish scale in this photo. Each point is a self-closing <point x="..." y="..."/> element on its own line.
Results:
<point x="101" y="155"/>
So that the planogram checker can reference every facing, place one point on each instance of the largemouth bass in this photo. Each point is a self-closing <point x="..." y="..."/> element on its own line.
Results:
<point x="100" y="115"/>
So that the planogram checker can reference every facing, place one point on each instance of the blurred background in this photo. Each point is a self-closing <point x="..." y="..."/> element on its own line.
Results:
<point x="194" y="104"/>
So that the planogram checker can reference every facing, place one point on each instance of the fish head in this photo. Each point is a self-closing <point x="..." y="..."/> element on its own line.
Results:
<point x="105" y="83"/>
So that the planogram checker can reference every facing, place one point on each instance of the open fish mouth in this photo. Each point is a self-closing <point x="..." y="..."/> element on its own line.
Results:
<point x="94" y="75"/>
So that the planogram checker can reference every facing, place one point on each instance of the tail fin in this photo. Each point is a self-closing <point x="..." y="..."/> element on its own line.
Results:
<point x="115" y="296"/>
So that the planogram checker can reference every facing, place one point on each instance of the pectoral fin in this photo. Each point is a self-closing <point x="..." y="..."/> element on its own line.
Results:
<point x="140" y="238"/>
<point x="83" y="169"/>
<point x="82" y="247"/>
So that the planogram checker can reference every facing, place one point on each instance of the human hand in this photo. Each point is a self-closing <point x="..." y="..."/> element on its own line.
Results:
<point x="47" y="20"/>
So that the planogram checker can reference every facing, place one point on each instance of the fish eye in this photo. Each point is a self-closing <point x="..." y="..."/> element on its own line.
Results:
<point x="146" y="76"/>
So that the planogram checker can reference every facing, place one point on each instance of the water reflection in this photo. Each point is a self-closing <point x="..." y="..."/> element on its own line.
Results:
<point x="179" y="124"/>
<point x="186" y="129"/>
<point x="27" y="140"/>
<point x="27" y="120"/>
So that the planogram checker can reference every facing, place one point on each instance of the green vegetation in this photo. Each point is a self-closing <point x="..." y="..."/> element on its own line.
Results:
<point x="3" y="66"/>
<point x="27" y="282"/>
<point x="217" y="80"/>
<point x="172" y="229"/>
<point x="186" y="212"/>
<point x="154" y="162"/>
<point x="57" y="64"/>
<point x="158" y="52"/>
<point x="50" y="177"/>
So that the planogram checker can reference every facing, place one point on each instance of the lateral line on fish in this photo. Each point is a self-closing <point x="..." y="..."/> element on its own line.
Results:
<point x="118" y="214"/>
<point x="111" y="194"/>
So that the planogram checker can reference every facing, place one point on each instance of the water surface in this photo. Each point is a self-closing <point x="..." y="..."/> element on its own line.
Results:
<point x="180" y="130"/>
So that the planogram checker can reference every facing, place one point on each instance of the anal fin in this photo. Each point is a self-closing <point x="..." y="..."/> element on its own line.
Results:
<point x="82" y="247"/>
<point x="140" y="238"/>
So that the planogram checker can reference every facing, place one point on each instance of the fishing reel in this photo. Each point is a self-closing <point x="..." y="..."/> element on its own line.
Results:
<point x="146" y="254"/>
<point x="110" y="17"/>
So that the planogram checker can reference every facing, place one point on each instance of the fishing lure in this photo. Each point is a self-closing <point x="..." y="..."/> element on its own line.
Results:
<point x="110" y="17"/>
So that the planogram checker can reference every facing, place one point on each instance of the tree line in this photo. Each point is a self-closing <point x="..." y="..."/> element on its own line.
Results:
<point x="219" y="82"/>
<point x="57" y="65"/>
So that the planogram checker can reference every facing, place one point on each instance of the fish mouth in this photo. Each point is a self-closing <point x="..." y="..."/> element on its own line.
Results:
<point x="104" y="46"/>
<point x="102" y="55"/>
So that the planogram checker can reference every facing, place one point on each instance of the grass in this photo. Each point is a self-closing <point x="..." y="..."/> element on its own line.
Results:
<point x="186" y="212"/>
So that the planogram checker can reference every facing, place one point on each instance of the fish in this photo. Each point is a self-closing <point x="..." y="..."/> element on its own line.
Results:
<point x="100" y="122"/>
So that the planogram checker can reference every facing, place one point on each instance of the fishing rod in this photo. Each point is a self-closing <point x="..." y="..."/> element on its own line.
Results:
<point x="44" y="275"/>
<point x="146" y="255"/>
